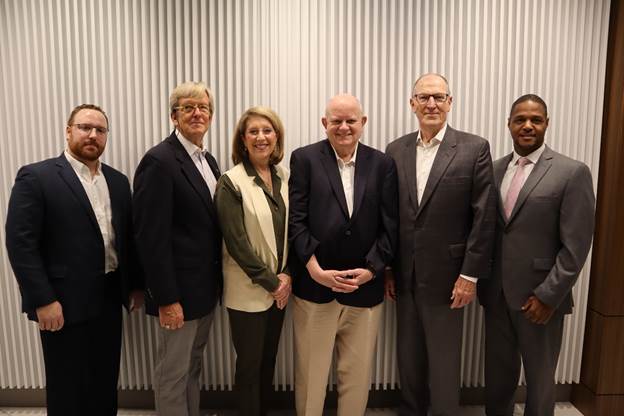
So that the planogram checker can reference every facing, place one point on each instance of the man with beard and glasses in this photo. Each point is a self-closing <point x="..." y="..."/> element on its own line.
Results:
<point x="69" y="240"/>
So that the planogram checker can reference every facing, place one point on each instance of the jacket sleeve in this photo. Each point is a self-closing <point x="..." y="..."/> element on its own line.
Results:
<point x="302" y="243"/>
<point x="152" y="209"/>
<point x="24" y="234"/>
<point x="480" y="242"/>
<point x="576" y="229"/>
<point x="382" y="252"/>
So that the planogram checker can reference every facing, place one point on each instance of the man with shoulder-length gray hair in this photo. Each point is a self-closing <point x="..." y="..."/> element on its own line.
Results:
<point x="179" y="244"/>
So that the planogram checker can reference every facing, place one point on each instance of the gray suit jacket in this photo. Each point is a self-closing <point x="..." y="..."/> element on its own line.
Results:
<point x="543" y="246"/>
<point x="451" y="230"/>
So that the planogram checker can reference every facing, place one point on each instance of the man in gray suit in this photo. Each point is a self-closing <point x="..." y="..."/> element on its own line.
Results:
<point x="446" y="215"/>
<point x="543" y="234"/>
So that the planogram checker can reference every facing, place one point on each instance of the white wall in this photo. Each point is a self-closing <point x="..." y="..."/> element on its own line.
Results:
<point x="292" y="55"/>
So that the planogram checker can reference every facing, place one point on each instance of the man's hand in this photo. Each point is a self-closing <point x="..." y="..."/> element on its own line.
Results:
<point x="171" y="316"/>
<point x="282" y="292"/>
<point x="137" y="299"/>
<point x="356" y="277"/>
<point x="389" y="284"/>
<point x="537" y="311"/>
<point x="50" y="317"/>
<point x="463" y="293"/>
<point x="332" y="279"/>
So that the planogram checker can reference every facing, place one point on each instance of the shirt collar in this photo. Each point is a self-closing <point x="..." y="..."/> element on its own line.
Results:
<point x="341" y="162"/>
<point x="533" y="156"/>
<point x="437" y="138"/>
<point x="188" y="145"/>
<point x="80" y="168"/>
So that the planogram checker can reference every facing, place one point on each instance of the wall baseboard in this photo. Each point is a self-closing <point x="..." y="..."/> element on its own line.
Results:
<point x="144" y="399"/>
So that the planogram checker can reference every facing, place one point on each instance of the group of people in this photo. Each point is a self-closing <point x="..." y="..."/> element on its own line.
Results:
<point x="429" y="223"/>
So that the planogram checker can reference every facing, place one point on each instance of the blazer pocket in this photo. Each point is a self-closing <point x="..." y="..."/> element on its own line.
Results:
<point x="543" y="264"/>
<point x="456" y="180"/>
<point x="57" y="272"/>
<point x="457" y="250"/>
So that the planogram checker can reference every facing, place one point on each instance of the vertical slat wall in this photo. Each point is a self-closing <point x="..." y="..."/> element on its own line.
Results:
<point x="292" y="55"/>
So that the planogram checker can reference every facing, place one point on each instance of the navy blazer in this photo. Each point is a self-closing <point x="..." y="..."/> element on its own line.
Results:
<point x="319" y="221"/>
<point x="177" y="230"/>
<point x="55" y="245"/>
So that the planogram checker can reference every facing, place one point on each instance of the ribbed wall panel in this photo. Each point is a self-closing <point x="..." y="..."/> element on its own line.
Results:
<point x="292" y="55"/>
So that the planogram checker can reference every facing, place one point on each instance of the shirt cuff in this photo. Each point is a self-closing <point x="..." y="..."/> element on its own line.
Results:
<point x="469" y="278"/>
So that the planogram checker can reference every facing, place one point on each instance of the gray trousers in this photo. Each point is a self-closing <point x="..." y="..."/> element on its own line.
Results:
<point x="509" y="336"/>
<point x="429" y="339"/>
<point x="178" y="366"/>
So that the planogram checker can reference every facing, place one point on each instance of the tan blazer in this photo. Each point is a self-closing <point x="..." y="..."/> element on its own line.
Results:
<point x="239" y="292"/>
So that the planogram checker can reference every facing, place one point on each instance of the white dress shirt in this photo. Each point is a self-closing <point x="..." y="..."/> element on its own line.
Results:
<point x="347" y="175"/>
<point x="425" y="156"/>
<point x="96" y="189"/>
<point x="513" y="166"/>
<point x="197" y="154"/>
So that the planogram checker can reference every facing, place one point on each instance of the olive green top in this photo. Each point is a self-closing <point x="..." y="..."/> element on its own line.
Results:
<point x="228" y="201"/>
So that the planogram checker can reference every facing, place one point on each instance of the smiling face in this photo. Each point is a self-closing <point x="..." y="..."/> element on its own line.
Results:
<point x="432" y="114"/>
<point x="259" y="139"/>
<point x="86" y="136"/>
<point x="344" y="124"/>
<point x="527" y="124"/>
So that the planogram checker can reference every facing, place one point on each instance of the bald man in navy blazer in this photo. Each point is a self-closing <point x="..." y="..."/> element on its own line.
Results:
<point x="543" y="235"/>
<point x="69" y="240"/>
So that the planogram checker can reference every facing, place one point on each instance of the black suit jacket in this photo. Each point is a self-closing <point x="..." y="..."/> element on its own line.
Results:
<point x="451" y="230"/>
<point x="177" y="230"/>
<point x="319" y="222"/>
<point x="55" y="245"/>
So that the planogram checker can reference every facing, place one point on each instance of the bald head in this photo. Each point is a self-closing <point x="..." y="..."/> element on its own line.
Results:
<point x="430" y="76"/>
<point x="344" y="122"/>
<point x="342" y="100"/>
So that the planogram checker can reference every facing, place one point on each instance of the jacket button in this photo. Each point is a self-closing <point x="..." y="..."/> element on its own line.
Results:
<point x="348" y="232"/>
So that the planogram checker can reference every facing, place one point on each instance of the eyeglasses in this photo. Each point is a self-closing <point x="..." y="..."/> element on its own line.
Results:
<point x="188" y="108"/>
<point x="424" y="98"/>
<point x="256" y="132"/>
<point x="88" y="128"/>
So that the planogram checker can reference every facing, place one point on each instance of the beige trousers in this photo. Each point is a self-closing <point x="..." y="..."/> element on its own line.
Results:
<point x="353" y="330"/>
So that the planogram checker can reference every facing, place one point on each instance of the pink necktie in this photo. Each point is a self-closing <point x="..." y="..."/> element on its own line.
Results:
<point x="516" y="184"/>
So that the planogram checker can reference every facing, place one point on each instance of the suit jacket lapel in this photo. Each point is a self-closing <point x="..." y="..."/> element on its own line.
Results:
<point x="71" y="179"/>
<point x="408" y="159"/>
<point x="116" y="204"/>
<point x="499" y="173"/>
<point x="189" y="170"/>
<point x="328" y="158"/>
<point x="446" y="153"/>
<point x="360" y="177"/>
<point x="541" y="167"/>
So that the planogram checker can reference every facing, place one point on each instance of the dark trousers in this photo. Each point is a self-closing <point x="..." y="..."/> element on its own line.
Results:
<point x="429" y="339"/>
<point x="82" y="365"/>
<point x="256" y="338"/>
<point x="509" y="336"/>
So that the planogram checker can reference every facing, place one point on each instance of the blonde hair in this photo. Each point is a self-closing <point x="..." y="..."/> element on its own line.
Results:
<point x="190" y="89"/>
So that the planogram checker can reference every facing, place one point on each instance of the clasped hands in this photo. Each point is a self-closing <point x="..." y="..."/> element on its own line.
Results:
<point x="343" y="281"/>
<point x="282" y="293"/>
